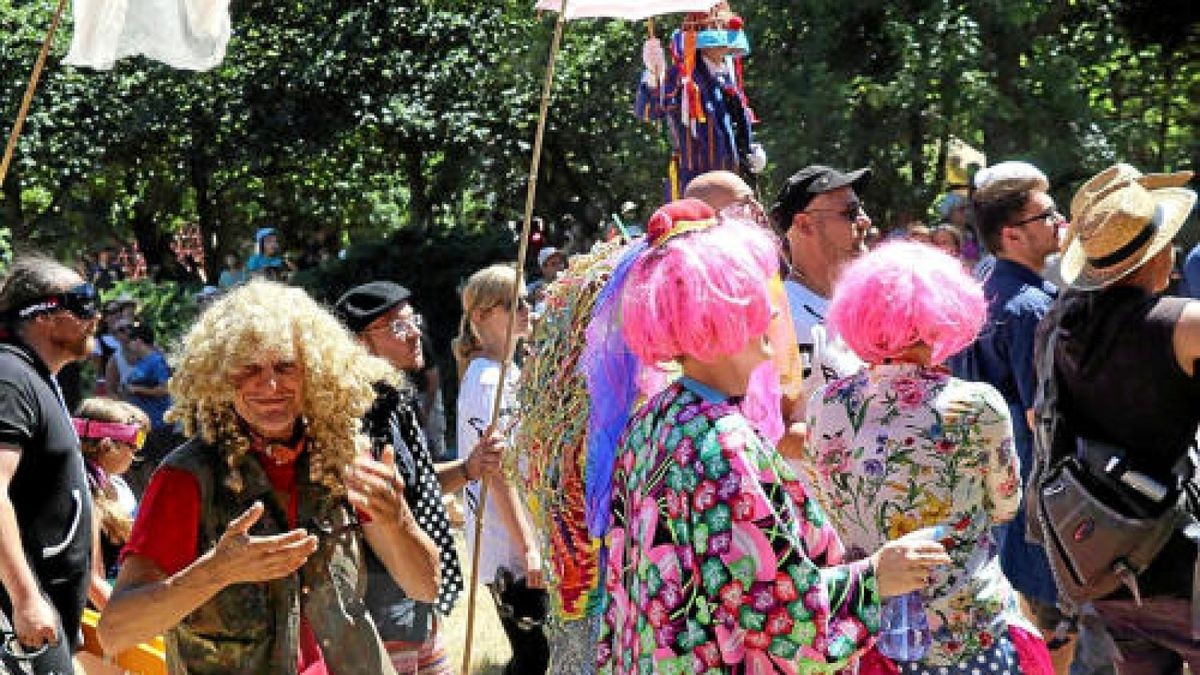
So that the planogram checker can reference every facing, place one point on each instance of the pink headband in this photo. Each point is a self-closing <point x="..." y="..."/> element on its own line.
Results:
<point x="132" y="434"/>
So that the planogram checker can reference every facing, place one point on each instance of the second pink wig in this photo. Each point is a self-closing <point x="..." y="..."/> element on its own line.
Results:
<point x="702" y="293"/>
<point x="903" y="294"/>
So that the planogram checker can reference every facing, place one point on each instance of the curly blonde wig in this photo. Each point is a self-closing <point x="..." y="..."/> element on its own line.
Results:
<point x="264" y="317"/>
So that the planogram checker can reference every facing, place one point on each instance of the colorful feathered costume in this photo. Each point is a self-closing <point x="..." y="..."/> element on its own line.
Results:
<point x="708" y="115"/>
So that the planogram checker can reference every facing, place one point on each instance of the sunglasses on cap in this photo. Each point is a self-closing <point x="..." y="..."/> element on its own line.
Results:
<point x="133" y="434"/>
<point x="81" y="301"/>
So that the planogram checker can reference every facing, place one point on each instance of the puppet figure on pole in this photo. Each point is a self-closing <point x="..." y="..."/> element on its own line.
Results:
<point x="702" y="97"/>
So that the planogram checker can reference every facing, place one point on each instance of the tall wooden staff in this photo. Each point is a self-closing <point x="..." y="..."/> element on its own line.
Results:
<point x="530" y="194"/>
<point x="29" y="89"/>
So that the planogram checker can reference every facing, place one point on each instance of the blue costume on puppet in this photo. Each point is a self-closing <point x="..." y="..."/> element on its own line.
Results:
<point x="702" y="98"/>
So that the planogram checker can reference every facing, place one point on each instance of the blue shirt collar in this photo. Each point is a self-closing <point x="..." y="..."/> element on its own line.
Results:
<point x="702" y="390"/>
<point x="1024" y="275"/>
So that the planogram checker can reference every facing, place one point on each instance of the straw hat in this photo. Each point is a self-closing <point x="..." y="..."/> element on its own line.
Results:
<point x="1120" y="219"/>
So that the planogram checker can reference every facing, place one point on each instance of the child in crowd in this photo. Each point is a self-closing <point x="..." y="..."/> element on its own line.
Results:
<point x="110" y="434"/>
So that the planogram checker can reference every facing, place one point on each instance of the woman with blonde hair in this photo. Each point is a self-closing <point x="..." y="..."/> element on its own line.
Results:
<point x="510" y="556"/>
<point x="110" y="433"/>
<point x="247" y="547"/>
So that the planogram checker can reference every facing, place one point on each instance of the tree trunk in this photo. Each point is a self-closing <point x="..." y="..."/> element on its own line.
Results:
<point x="420" y="203"/>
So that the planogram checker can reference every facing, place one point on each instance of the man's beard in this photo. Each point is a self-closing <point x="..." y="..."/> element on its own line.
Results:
<point x="79" y="347"/>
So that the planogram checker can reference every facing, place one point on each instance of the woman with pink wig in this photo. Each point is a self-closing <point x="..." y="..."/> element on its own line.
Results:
<point x="902" y="445"/>
<point x="716" y="555"/>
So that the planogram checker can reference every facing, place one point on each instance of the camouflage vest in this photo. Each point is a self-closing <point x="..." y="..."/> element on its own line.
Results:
<point x="254" y="629"/>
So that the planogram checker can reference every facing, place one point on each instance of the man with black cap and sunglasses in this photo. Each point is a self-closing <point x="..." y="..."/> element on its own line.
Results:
<point x="821" y="219"/>
<point x="48" y="318"/>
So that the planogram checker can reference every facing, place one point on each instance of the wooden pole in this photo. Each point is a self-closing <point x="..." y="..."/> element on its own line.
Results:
<point x="518" y="289"/>
<point x="29" y="89"/>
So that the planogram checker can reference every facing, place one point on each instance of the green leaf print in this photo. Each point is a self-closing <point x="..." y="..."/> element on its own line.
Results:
<point x="715" y="575"/>
<point x="718" y="519"/>
<point x="750" y="619"/>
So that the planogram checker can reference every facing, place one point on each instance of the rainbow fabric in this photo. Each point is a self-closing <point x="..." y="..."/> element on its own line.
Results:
<point x="553" y="399"/>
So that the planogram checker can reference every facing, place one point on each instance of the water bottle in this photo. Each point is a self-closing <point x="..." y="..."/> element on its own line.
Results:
<point x="903" y="627"/>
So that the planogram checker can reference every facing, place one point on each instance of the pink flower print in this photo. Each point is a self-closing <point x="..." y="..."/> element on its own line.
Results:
<point x="742" y="506"/>
<point x="656" y="613"/>
<point x="986" y="639"/>
<point x="671" y="594"/>
<point x="945" y="446"/>
<point x="814" y="598"/>
<point x="757" y="640"/>
<point x="779" y="621"/>
<point x="1008" y="488"/>
<point x="785" y="587"/>
<point x="685" y="451"/>
<point x="909" y="393"/>
<point x="728" y="485"/>
<point x="720" y="543"/>
<point x="674" y="503"/>
<point x="731" y="595"/>
<point x="762" y="597"/>
<point x="834" y="459"/>
<point x="665" y="634"/>
<point x="708" y="655"/>
<point x="705" y="496"/>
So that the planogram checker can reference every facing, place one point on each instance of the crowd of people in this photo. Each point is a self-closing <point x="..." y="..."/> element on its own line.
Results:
<point x="289" y="514"/>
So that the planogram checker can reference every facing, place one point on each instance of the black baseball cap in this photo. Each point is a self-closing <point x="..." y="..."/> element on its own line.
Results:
<point x="361" y="305"/>
<point x="809" y="182"/>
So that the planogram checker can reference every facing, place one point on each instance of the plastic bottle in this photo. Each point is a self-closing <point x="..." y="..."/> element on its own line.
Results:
<point x="903" y="627"/>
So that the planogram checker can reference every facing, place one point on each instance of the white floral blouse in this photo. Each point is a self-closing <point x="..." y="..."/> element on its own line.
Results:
<point x="899" y="447"/>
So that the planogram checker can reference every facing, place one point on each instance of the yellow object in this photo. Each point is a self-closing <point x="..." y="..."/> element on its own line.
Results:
<point x="148" y="658"/>
<point x="961" y="162"/>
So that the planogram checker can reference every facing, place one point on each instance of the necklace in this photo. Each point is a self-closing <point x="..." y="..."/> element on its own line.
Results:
<point x="283" y="454"/>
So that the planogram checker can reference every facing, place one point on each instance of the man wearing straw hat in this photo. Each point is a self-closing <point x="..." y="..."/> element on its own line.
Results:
<point x="1126" y="363"/>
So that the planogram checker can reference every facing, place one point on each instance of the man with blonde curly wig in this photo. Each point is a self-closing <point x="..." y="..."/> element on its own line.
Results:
<point x="247" y="548"/>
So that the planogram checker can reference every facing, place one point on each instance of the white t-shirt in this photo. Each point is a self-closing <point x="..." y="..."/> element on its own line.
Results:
<point x="823" y="354"/>
<point x="475" y="396"/>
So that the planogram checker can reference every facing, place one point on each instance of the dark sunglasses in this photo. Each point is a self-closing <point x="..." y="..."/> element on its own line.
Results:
<point x="851" y="212"/>
<point x="81" y="301"/>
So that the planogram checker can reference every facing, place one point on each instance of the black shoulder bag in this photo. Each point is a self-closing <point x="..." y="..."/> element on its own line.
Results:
<point x="1101" y="522"/>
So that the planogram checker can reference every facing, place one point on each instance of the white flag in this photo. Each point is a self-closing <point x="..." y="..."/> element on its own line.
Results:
<point x="187" y="34"/>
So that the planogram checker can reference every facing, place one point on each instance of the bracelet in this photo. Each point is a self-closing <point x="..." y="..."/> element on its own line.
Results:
<point x="466" y="474"/>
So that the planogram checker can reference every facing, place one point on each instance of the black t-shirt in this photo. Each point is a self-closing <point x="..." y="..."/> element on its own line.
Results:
<point x="49" y="491"/>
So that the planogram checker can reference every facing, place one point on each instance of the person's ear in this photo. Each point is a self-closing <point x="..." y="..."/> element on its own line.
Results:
<point x="802" y="223"/>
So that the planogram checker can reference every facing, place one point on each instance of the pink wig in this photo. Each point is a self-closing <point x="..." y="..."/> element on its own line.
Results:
<point x="698" y="290"/>
<point x="903" y="294"/>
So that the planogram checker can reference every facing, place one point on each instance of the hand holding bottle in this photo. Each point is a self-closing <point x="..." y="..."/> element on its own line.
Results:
<point x="903" y="565"/>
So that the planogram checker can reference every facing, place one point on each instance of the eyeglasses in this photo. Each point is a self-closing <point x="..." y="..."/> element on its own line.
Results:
<point x="1051" y="214"/>
<point x="852" y="211"/>
<point x="402" y="328"/>
<point x="80" y="301"/>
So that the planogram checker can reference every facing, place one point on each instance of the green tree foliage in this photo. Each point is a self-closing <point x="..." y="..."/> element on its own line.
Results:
<point x="371" y="117"/>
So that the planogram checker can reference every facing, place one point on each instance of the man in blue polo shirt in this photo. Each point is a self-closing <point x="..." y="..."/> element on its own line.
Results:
<point x="1019" y="224"/>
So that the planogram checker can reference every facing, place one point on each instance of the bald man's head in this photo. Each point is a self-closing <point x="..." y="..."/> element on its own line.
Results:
<point x="718" y="189"/>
